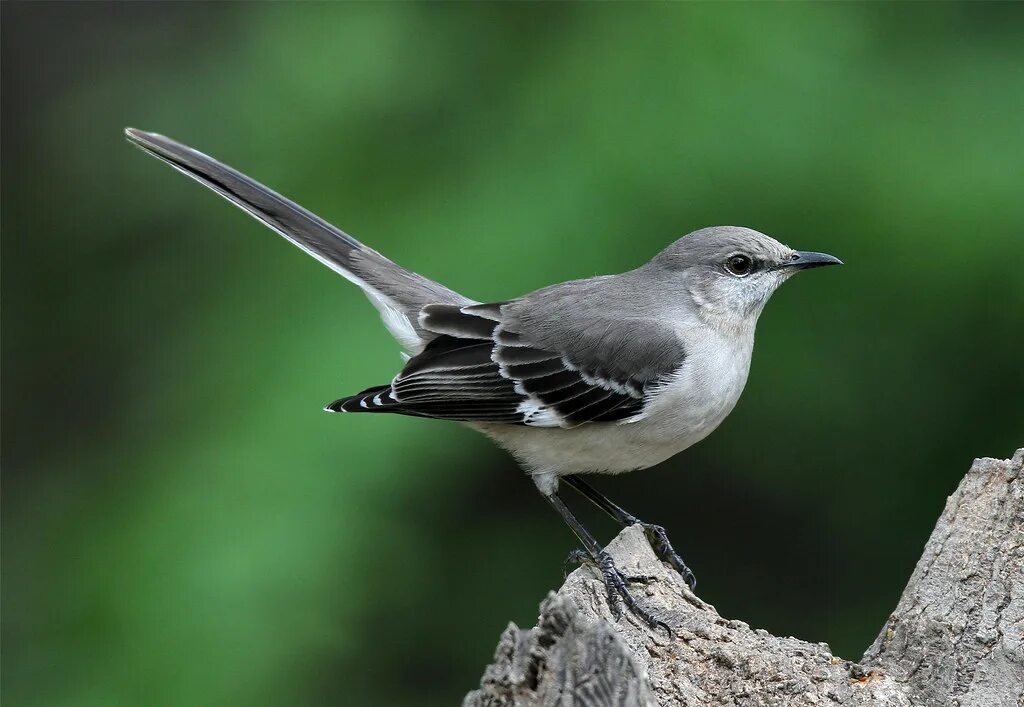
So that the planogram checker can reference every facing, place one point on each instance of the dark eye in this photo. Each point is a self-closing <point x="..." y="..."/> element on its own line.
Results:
<point x="739" y="265"/>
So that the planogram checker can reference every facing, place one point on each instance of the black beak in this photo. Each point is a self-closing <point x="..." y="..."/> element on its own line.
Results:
<point x="803" y="259"/>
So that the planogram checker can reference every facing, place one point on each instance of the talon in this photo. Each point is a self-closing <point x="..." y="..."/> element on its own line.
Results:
<point x="656" y="624"/>
<point x="658" y="539"/>
<point x="615" y="585"/>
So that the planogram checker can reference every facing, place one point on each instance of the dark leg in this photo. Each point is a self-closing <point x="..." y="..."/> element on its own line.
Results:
<point x="655" y="533"/>
<point x="614" y="582"/>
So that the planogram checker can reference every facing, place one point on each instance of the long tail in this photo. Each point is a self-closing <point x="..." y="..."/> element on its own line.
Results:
<point x="397" y="293"/>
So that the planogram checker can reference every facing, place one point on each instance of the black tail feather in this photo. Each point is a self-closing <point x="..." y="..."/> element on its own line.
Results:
<point x="363" y="401"/>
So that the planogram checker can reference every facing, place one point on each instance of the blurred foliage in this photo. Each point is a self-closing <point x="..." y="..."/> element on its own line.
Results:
<point x="183" y="525"/>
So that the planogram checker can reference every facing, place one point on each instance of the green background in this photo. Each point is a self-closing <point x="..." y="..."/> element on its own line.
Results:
<point x="183" y="525"/>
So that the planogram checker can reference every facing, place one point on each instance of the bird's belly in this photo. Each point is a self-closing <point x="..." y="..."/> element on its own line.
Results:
<point x="602" y="448"/>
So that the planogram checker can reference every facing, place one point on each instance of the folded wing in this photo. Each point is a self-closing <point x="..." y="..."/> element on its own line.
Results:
<point x="486" y="365"/>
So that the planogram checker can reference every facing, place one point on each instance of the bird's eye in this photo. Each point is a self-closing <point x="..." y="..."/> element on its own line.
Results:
<point x="739" y="265"/>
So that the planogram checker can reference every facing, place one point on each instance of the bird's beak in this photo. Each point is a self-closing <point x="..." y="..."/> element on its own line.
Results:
<point x="803" y="259"/>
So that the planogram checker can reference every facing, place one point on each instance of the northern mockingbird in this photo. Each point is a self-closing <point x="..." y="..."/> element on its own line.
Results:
<point x="596" y="376"/>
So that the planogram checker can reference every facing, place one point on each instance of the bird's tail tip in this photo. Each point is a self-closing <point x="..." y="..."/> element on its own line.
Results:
<point x="159" y="145"/>
<point x="141" y="136"/>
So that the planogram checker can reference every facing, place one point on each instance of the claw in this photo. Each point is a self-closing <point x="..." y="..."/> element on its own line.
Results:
<point x="615" y="586"/>
<point x="658" y="539"/>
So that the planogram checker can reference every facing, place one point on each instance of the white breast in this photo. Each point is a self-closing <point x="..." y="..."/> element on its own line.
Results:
<point x="695" y="400"/>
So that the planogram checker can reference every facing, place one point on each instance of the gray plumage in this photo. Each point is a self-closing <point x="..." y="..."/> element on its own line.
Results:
<point x="602" y="375"/>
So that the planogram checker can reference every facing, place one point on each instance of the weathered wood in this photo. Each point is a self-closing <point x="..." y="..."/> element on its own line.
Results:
<point x="955" y="639"/>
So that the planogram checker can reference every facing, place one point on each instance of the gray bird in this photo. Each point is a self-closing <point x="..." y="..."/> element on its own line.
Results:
<point x="597" y="376"/>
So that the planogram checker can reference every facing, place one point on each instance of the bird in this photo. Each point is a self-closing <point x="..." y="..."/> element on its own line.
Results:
<point x="602" y="375"/>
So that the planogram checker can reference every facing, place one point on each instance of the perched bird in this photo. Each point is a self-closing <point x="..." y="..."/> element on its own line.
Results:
<point x="596" y="376"/>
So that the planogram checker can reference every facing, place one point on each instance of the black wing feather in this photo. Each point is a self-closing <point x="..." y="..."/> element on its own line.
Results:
<point x="479" y="369"/>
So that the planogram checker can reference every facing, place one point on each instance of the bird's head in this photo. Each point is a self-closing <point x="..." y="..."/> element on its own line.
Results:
<point x="730" y="271"/>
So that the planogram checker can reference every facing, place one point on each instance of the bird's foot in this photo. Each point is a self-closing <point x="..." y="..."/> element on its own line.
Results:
<point x="580" y="557"/>
<point x="658" y="539"/>
<point x="615" y="586"/>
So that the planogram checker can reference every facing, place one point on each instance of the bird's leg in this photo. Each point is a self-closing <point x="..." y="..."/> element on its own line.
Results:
<point x="614" y="581"/>
<point x="656" y="535"/>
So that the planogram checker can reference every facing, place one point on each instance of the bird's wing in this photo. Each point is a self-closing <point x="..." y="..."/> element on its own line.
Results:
<point x="489" y="365"/>
<point x="397" y="293"/>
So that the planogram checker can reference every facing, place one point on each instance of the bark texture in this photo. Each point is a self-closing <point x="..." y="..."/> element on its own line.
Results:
<point x="956" y="638"/>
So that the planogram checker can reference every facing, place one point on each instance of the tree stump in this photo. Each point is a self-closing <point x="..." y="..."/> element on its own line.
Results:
<point x="956" y="638"/>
